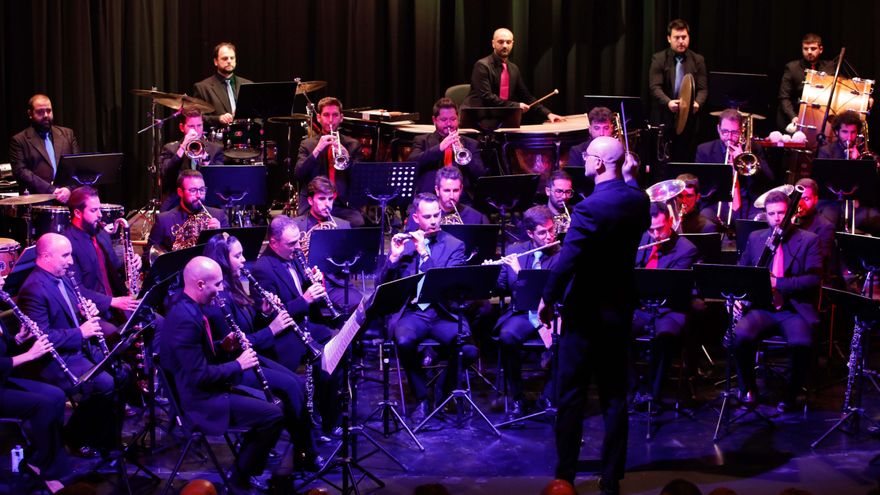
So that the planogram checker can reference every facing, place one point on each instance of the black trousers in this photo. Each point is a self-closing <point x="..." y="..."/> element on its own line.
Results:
<point x="668" y="328"/>
<point x="513" y="332"/>
<point x="598" y="345"/>
<point x="265" y="421"/>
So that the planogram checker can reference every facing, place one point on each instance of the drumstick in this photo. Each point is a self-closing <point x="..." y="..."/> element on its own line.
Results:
<point x="539" y="100"/>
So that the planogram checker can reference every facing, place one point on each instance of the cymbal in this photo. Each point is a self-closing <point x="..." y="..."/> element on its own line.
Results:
<point x="26" y="200"/>
<point x="309" y="86"/>
<point x="288" y="119"/>
<point x="186" y="101"/>
<point x="154" y="94"/>
<point x="756" y="116"/>
<point x="686" y="96"/>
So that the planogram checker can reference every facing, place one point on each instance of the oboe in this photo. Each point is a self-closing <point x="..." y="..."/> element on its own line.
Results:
<point x="88" y="310"/>
<point x="300" y="258"/>
<point x="245" y="345"/>
<point x="32" y="328"/>
<point x="306" y="338"/>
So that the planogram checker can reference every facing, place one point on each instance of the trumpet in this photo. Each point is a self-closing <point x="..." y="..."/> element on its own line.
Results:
<point x="340" y="154"/>
<point x="195" y="149"/>
<point x="88" y="310"/>
<point x="461" y="155"/>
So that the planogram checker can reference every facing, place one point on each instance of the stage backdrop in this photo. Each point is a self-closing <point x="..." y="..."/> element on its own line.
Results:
<point x="395" y="54"/>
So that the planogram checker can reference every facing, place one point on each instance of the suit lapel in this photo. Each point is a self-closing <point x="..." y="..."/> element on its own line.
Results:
<point x="51" y="288"/>
<point x="38" y="144"/>
<point x="219" y="89"/>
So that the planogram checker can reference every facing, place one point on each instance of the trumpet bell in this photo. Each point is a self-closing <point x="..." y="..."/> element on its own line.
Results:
<point x="785" y="188"/>
<point x="663" y="191"/>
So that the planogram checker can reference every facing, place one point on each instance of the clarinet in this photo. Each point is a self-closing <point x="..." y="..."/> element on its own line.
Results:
<point x="245" y="345"/>
<point x="300" y="259"/>
<point x="32" y="328"/>
<point x="85" y="307"/>
<point x="311" y="346"/>
<point x="854" y="364"/>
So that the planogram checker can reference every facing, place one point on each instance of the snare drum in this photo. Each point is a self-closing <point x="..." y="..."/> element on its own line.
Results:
<point x="111" y="212"/>
<point x="243" y="140"/>
<point x="9" y="250"/>
<point x="849" y="94"/>
<point x="542" y="148"/>
<point x="45" y="219"/>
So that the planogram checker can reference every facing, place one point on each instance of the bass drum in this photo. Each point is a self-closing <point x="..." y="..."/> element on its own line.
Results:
<point x="45" y="219"/>
<point x="243" y="140"/>
<point x="849" y="94"/>
<point x="542" y="148"/>
<point x="111" y="212"/>
<point x="9" y="251"/>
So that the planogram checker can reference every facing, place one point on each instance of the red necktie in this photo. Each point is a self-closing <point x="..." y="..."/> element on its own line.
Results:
<point x="447" y="157"/>
<point x="331" y="170"/>
<point x="737" y="197"/>
<point x="504" y="91"/>
<point x="102" y="267"/>
<point x="654" y="258"/>
<point x="778" y="267"/>
<point x="208" y="332"/>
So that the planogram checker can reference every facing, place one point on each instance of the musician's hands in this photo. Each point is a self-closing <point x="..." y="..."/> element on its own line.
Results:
<point x="91" y="328"/>
<point x="316" y="275"/>
<point x="266" y="307"/>
<point x="62" y="194"/>
<point x="418" y="238"/>
<point x="552" y="117"/>
<point x="397" y="245"/>
<point x="213" y="223"/>
<point x="226" y="118"/>
<point x="326" y="140"/>
<point x="40" y="348"/>
<point x="695" y="107"/>
<point x="247" y="359"/>
<point x="190" y="136"/>
<point x="630" y="168"/>
<point x="545" y="313"/>
<point x="137" y="263"/>
<point x="674" y="105"/>
<point x="282" y="320"/>
<point x="734" y="150"/>
<point x="448" y="141"/>
<point x="524" y="107"/>
<point x="230" y="343"/>
<point x="512" y="260"/>
<point x="124" y="303"/>
<point x="314" y="292"/>
<point x="89" y="307"/>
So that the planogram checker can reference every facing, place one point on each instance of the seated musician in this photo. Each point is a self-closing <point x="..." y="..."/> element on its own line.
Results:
<point x="435" y="150"/>
<point x="261" y="328"/>
<point x="322" y="194"/>
<point x="559" y="192"/>
<point x="847" y="128"/>
<point x="95" y="263"/>
<point x="191" y="189"/>
<point x="515" y="326"/>
<point x="808" y="218"/>
<point x="422" y="249"/>
<point x="673" y="252"/>
<point x="40" y="405"/>
<point x="795" y="275"/>
<point x="48" y="298"/>
<point x="694" y="221"/>
<point x="726" y="149"/>
<point x="178" y="155"/>
<point x="448" y="184"/>
<point x="317" y="157"/>
<point x="207" y="390"/>
<point x="601" y="124"/>
<point x="278" y="271"/>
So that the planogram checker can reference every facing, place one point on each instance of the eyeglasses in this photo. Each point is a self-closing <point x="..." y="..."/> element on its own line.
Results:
<point x="197" y="190"/>
<point x="543" y="232"/>
<point x="563" y="192"/>
<point x="729" y="132"/>
<point x="587" y="156"/>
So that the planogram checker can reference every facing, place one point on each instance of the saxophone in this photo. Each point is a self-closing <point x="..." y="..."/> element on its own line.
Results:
<point x="132" y="277"/>
<point x="187" y="234"/>
<point x="562" y="221"/>
<point x="88" y="310"/>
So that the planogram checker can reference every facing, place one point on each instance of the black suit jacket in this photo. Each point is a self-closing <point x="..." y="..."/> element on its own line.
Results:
<point x="791" y="88"/>
<point x="308" y="167"/>
<point x="803" y="268"/>
<point x="507" y="277"/>
<point x="161" y="234"/>
<point x="30" y="160"/>
<point x="824" y="230"/>
<point x="469" y="216"/>
<point x="661" y="82"/>
<point x="677" y="253"/>
<point x="697" y="223"/>
<point x="426" y="152"/>
<point x="750" y="187"/>
<point x="271" y="271"/>
<point x="833" y="150"/>
<point x="213" y="90"/>
<point x="594" y="272"/>
<point x="486" y="84"/>
<point x="171" y="163"/>
<point x="85" y="261"/>
<point x="188" y="354"/>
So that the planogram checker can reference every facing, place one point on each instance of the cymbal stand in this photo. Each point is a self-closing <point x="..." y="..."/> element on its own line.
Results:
<point x="151" y="210"/>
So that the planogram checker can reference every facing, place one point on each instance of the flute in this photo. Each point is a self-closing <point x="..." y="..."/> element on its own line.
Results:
<point x="652" y="244"/>
<point x="530" y="251"/>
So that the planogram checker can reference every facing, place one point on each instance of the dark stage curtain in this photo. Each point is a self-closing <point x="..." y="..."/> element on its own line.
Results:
<point x="396" y="54"/>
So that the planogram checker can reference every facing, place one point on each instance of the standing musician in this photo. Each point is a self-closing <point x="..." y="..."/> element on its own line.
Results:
<point x="227" y="251"/>
<point x="674" y="252"/>
<point x="559" y="192"/>
<point x="207" y="389"/>
<point x="95" y="263"/>
<point x="791" y="88"/>
<point x="49" y="299"/>
<point x="601" y="124"/>
<point x="40" y="405"/>
<point x="35" y="153"/>
<point x="795" y="275"/>
<point x="693" y="221"/>
<point x="847" y="128"/>
<point x="726" y="149"/>
<point x="668" y="68"/>
<point x="497" y="82"/>
<point x="191" y="152"/>
<point x="596" y="317"/>
<point x="278" y="272"/>
<point x="329" y="155"/>
<point x="448" y="185"/>
<point x="515" y="326"/>
<point x="430" y="248"/>
<point x="445" y="147"/>
<point x="184" y="222"/>
<point x="221" y="88"/>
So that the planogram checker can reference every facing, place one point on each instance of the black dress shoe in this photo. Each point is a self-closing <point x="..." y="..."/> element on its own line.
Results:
<point x="418" y="414"/>
<point x="310" y="462"/>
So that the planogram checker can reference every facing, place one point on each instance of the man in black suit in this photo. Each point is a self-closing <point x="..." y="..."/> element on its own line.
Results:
<point x="515" y="326"/>
<point x="601" y="124"/>
<point x="726" y="149"/>
<point x="675" y="253"/>
<point x="593" y="280"/>
<point x="175" y="155"/>
<point x="221" y="89"/>
<point x="448" y="184"/>
<point x="35" y="153"/>
<point x="791" y="88"/>
<point x="206" y="390"/>
<point x="668" y="67"/>
<point x="48" y="298"/>
<point x="191" y="190"/>
<point x="795" y="275"/>
<point x="559" y="191"/>
<point x="430" y="248"/>
<point x="497" y="82"/>
<point x="316" y="157"/>
<point x="693" y="221"/>
<point x="435" y="150"/>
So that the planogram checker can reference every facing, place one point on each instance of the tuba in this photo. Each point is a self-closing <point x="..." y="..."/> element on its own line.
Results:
<point x="187" y="234"/>
<point x="666" y="192"/>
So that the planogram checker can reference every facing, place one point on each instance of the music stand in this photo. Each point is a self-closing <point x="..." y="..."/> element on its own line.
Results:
<point x="506" y="194"/>
<point x="582" y="186"/>
<point x="20" y="271"/>
<point x="385" y="183"/>
<point x="846" y="181"/>
<point x="265" y="99"/>
<point x="345" y="251"/>
<point x="169" y="264"/>
<point x="708" y="244"/>
<point x="479" y="241"/>
<point x="459" y="284"/>
<point x="744" y="92"/>
<point x="866" y="313"/>
<point x="89" y="169"/>
<point x="716" y="179"/>
<point x="733" y="283"/>
<point x="632" y="105"/>
<point x="489" y="119"/>
<point x="251" y="238"/>
<point x="744" y="229"/>
<point x="861" y="251"/>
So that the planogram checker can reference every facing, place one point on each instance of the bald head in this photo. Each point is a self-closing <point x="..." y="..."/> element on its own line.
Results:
<point x="202" y="279"/>
<point x="502" y="42"/>
<point x="604" y="158"/>
<point x="54" y="254"/>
